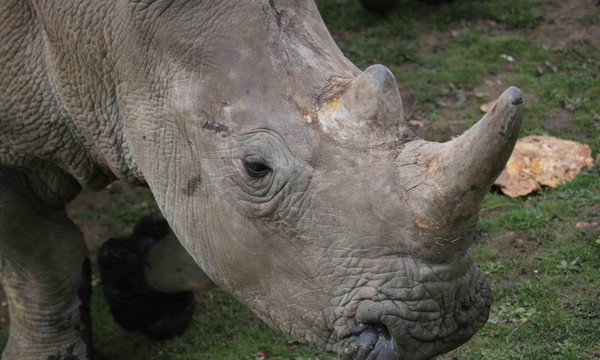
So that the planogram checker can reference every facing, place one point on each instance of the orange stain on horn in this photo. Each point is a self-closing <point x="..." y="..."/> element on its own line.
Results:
<point x="334" y="104"/>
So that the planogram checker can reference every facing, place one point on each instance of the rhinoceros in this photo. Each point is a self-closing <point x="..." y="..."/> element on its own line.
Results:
<point x="288" y="174"/>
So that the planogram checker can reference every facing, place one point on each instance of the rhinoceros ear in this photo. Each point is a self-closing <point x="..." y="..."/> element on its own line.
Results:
<point x="369" y="112"/>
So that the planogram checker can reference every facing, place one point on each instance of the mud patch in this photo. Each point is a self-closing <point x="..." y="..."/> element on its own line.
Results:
<point x="216" y="127"/>
<point x="192" y="185"/>
<point x="515" y="243"/>
<point x="570" y="21"/>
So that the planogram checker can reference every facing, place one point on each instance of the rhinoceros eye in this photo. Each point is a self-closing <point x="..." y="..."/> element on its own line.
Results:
<point x="256" y="169"/>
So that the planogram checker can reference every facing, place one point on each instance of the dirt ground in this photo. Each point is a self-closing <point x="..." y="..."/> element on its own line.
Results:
<point x="560" y="27"/>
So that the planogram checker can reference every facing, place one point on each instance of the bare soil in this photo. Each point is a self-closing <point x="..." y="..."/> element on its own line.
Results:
<point x="565" y="22"/>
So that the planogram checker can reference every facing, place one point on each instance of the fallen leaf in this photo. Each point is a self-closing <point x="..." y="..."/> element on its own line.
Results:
<point x="551" y="66"/>
<point x="487" y="106"/>
<point x="539" y="161"/>
<point x="491" y="23"/>
<point x="539" y="69"/>
<point x="587" y="226"/>
<point x="417" y="123"/>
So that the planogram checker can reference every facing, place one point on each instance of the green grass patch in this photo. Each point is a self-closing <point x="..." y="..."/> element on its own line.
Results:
<point x="545" y="273"/>
<point x="222" y="328"/>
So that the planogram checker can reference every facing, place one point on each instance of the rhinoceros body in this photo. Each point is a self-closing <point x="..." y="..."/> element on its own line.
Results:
<point x="287" y="173"/>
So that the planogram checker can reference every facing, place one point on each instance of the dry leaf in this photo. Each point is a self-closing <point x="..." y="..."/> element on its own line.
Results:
<point x="551" y="66"/>
<point x="587" y="226"/>
<point x="539" y="69"/>
<point x="417" y="123"/>
<point x="487" y="106"/>
<point x="539" y="161"/>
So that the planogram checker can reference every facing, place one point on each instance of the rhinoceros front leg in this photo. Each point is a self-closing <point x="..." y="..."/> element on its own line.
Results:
<point x="45" y="272"/>
<point x="148" y="280"/>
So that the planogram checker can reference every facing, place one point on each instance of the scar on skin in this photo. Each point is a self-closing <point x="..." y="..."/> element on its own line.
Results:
<point x="192" y="185"/>
<point x="216" y="127"/>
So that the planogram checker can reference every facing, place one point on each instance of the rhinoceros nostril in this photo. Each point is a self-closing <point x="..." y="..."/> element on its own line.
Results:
<point x="369" y="341"/>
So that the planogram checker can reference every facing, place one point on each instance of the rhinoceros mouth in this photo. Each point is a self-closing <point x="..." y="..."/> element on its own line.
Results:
<point x="419" y="324"/>
<point x="369" y="341"/>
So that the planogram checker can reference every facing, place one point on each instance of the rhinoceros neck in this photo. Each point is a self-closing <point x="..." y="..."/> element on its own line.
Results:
<point x="60" y="116"/>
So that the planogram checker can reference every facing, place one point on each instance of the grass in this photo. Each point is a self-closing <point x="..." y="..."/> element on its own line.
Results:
<point x="544" y="269"/>
<point x="222" y="329"/>
<point x="545" y="273"/>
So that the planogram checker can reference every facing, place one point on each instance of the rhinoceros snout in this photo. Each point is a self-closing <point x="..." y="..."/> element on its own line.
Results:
<point x="369" y="341"/>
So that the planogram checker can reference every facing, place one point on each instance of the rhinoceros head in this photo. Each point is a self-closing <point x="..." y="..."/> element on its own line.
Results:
<point x="292" y="179"/>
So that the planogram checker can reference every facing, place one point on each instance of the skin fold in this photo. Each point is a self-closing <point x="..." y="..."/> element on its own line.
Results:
<point x="259" y="140"/>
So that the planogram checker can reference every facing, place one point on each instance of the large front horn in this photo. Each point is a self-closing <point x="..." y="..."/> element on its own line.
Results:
<point x="457" y="174"/>
<point x="369" y="112"/>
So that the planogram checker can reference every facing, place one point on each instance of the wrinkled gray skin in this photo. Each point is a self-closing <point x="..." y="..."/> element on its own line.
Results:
<point x="347" y="220"/>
